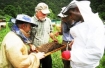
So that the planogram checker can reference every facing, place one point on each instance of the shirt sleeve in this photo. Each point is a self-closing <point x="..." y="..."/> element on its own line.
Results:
<point x="51" y="28"/>
<point x="16" y="52"/>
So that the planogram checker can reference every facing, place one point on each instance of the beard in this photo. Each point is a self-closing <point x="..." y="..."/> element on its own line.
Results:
<point x="42" y="19"/>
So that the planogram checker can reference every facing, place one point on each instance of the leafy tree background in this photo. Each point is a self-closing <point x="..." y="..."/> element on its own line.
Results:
<point x="14" y="7"/>
<point x="98" y="6"/>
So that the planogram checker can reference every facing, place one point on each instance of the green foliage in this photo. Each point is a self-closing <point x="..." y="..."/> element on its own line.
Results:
<point x="19" y="10"/>
<point x="2" y="17"/>
<point x="3" y="32"/>
<point x="56" y="57"/>
<point x="95" y="4"/>
<point x="51" y="15"/>
<point x="56" y="60"/>
<point x="5" y="29"/>
<point x="14" y="7"/>
<point x="102" y="62"/>
<point x="102" y="15"/>
<point x="2" y="12"/>
<point x="10" y="10"/>
<point x="7" y="17"/>
<point x="98" y="6"/>
<point x="59" y="37"/>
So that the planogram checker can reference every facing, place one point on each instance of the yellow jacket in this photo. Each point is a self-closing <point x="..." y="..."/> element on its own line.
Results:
<point x="14" y="53"/>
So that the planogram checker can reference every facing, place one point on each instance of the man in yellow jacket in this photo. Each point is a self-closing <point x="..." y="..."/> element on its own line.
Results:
<point x="14" y="51"/>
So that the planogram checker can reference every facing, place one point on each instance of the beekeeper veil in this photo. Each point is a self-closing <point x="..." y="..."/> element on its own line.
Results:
<point x="84" y="8"/>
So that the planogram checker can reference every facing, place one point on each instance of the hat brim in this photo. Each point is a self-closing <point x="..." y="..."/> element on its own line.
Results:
<point x="68" y="7"/>
<point x="34" y="25"/>
<point x="46" y="11"/>
<point x="13" y="20"/>
<point x="61" y="15"/>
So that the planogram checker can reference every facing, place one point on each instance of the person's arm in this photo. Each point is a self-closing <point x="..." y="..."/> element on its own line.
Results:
<point x="52" y="34"/>
<point x="61" y="32"/>
<point x="71" y="43"/>
<point x="17" y="54"/>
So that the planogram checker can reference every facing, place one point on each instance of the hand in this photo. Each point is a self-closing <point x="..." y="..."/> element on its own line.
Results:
<point x="56" y="34"/>
<point x="66" y="59"/>
<point x="71" y="43"/>
<point x="53" y="37"/>
<point x="32" y="48"/>
<point x="55" y="40"/>
<point x="40" y="55"/>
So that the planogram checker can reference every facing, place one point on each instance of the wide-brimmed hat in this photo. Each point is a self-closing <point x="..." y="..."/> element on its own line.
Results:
<point x="25" y="18"/>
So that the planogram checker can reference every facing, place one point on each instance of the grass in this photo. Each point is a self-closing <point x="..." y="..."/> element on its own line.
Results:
<point x="56" y="60"/>
<point x="56" y="56"/>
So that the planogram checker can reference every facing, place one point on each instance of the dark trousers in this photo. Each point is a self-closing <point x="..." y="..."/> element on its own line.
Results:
<point x="65" y="62"/>
<point x="46" y="62"/>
